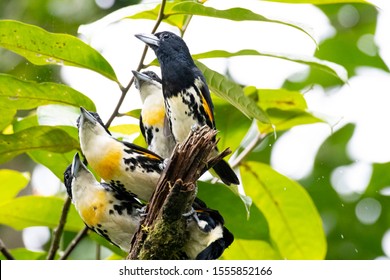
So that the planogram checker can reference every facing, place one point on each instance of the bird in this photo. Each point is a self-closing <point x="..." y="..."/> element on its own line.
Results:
<point x="187" y="97"/>
<point x="207" y="236"/>
<point x="116" y="215"/>
<point x="125" y="166"/>
<point x="112" y="214"/>
<point x="153" y="120"/>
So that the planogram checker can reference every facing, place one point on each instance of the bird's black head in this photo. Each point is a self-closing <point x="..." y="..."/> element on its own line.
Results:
<point x="168" y="46"/>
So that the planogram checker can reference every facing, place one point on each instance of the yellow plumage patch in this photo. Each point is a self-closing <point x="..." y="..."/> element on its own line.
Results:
<point x="154" y="117"/>
<point x="107" y="165"/>
<point x="93" y="211"/>
<point x="207" y="109"/>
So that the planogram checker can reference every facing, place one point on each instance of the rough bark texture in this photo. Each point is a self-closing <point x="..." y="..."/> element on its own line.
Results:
<point x="162" y="233"/>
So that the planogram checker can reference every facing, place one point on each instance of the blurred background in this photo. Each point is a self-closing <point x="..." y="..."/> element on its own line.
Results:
<point x="343" y="163"/>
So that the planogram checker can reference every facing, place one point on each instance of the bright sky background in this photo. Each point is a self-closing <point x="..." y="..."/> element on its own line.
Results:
<point x="364" y="101"/>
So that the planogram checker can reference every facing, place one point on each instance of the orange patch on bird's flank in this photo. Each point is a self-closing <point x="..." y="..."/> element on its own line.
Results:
<point x="92" y="213"/>
<point x="207" y="109"/>
<point x="154" y="117"/>
<point x="108" y="164"/>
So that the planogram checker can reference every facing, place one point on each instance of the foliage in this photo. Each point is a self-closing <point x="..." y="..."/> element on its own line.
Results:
<point x="272" y="217"/>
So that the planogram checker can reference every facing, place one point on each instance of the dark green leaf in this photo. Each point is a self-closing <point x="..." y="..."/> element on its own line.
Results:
<point x="42" y="48"/>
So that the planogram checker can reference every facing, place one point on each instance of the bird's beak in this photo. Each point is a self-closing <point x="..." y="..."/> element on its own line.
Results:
<point x="140" y="78"/>
<point x="76" y="165"/>
<point x="86" y="117"/>
<point x="149" y="39"/>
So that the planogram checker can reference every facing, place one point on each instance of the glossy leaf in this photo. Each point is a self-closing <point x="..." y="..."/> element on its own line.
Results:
<point x="43" y="48"/>
<point x="233" y="93"/>
<point x="295" y="226"/>
<point x="36" y="138"/>
<point x="236" y="14"/>
<point x="28" y="211"/>
<point x="12" y="182"/>
<point x="286" y="109"/>
<point x="323" y="65"/>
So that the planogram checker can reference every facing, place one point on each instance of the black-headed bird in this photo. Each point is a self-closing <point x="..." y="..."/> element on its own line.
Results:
<point x="153" y="120"/>
<point x="110" y="213"/>
<point x="123" y="165"/>
<point x="187" y="97"/>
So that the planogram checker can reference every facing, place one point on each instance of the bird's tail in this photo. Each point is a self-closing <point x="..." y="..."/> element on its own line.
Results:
<point x="226" y="173"/>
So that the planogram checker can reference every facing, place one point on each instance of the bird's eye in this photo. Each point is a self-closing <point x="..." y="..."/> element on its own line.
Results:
<point x="165" y="35"/>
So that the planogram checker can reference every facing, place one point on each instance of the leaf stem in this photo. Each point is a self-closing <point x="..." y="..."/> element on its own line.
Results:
<point x="74" y="243"/>
<point x="141" y="65"/>
<point x="55" y="244"/>
<point x="5" y="252"/>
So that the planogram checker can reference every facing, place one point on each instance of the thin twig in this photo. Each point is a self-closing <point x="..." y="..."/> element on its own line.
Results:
<point x="124" y="90"/>
<point x="5" y="252"/>
<point x="74" y="243"/>
<point x="248" y="149"/>
<point x="55" y="244"/>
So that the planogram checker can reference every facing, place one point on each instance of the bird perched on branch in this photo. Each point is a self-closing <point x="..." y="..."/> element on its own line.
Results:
<point x="116" y="215"/>
<point x="125" y="166"/>
<point x="153" y="121"/>
<point x="186" y="94"/>
<point x="110" y="213"/>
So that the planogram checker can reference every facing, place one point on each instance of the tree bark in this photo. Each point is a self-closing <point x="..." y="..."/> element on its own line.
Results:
<point x="162" y="233"/>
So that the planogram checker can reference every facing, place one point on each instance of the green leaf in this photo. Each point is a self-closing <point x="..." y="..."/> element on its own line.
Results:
<point x="380" y="178"/>
<point x="56" y="162"/>
<point x="320" y="2"/>
<point x="234" y="212"/>
<point x="332" y="68"/>
<point x="28" y="211"/>
<point x="125" y="129"/>
<point x="24" y="254"/>
<point x="236" y="14"/>
<point x="12" y="182"/>
<point x="250" y="250"/>
<point x="233" y="93"/>
<point x="295" y="226"/>
<point x="7" y="115"/>
<point x="136" y="113"/>
<point x="36" y="138"/>
<point x="175" y="20"/>
<point x="42" y="48"/>
<point x="25" y="95"/>
<point x="286" y="109"/>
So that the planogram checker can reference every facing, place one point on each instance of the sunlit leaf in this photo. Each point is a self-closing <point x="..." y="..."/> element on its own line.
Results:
<point x="43" y="48"/>
<point x="295" y="226"/>
<point x="125" y="129"/>
<point x="250" y="250"/>
<point x="36" y="138"/>
<point x="136" y="113"/>
<point x="25" y="95"/>
<point x="12" y="182"/>
<point x="320" y="2"/>
<point x="285" y="109"/>
<point x="233" y="93"/>
<point x="7" y="115"/>
<point x="28" y="211"/>
<point x="235" y="14"/>
<point x="323" y="65"/>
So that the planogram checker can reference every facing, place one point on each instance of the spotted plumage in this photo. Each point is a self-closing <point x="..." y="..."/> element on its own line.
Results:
<point x="111" y="214"/>
<point x="186" y="94"/>
<point x="124" y="164"/>
<point x="153" y="121"/>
